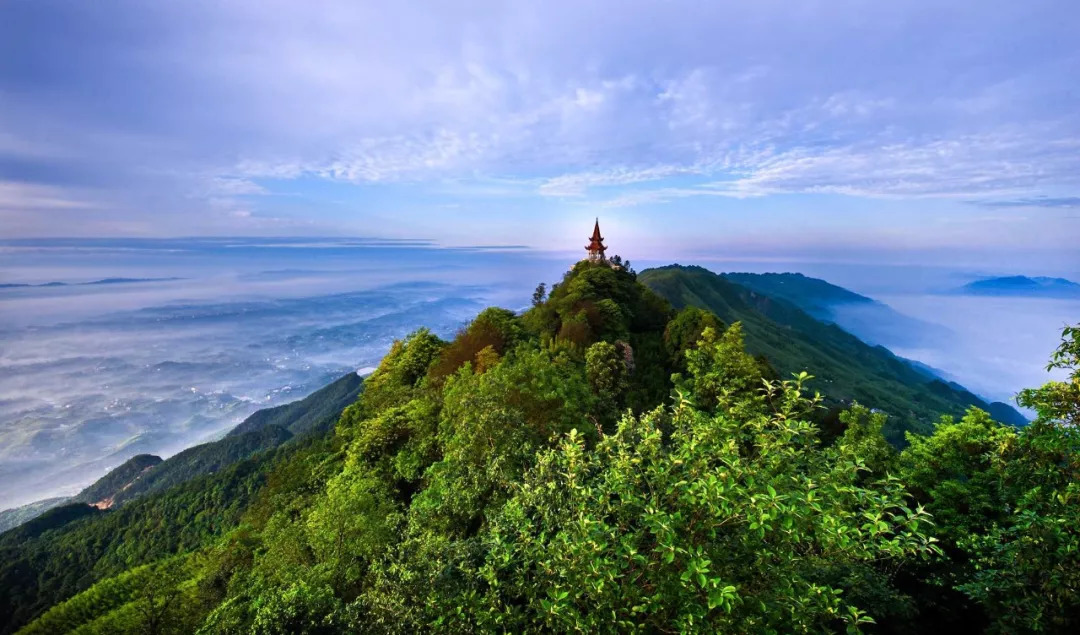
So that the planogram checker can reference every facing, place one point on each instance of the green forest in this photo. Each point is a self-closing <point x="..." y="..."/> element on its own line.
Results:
<point x="661" y="453"/>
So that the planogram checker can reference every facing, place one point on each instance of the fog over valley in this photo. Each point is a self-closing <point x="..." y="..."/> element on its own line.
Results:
<point x="93" y="374"/>
<point x="151" y="346"/>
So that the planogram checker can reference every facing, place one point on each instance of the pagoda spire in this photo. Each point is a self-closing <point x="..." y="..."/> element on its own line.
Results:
<point x="596" y="246"/>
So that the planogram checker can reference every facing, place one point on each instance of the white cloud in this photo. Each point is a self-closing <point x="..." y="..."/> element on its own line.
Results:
<point x="958" y="167"/>
<point x="232" y="186"/>
<point x="576" y="184"/>
<point x="663" y="195"/>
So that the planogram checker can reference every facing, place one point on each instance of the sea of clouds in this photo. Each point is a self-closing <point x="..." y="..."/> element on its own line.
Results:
<point x="199" y="334"/>
<point x="187" y="337"/>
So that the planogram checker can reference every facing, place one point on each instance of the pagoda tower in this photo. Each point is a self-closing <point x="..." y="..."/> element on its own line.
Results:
<point x="596" y="246"/>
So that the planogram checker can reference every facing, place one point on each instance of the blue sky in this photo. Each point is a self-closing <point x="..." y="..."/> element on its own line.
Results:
<point x="835" y="128"/>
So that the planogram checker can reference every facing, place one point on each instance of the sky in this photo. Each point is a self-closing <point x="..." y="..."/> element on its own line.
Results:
<point x="904" y="131"/>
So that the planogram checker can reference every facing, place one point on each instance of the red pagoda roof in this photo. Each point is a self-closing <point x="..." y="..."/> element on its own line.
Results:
<point x="596" y="246"/>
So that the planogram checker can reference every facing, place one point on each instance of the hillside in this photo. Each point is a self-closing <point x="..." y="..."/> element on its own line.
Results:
<point x="50" y="520"/>
<point x="1038" y="286"/>
<point x="866" y="318"/>
<point x="262" y="430"/>
<point x="846" y="369"/>
<point x="1006" y="414"/>
<point x="816" y="297"/>
<point x="205" y="458"/>
<point x="103" y="492"/>
<point x="603" y="462"/>
<point x="179" y="504"/>
<point x="314" y="413"/>
<point x="67" y="549"/>
<point x="18" y="515"/>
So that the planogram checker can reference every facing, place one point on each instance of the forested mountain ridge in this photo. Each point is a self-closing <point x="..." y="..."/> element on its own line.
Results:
<point x="600" y="463"/>
<point x="16" y="516"/>
<point x="816" y="297"/>
<point x="205" y="458"/>
<point x="262" y="430"/>
<point x="315" y="413"/>
<point x="870" y="321"/>
<point x="103" y="492"/>
<point x="873" y="322"/>
<point x="845" y="368"/>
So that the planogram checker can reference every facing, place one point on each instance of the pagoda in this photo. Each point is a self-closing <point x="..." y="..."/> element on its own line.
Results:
<point x="596" y="246"/>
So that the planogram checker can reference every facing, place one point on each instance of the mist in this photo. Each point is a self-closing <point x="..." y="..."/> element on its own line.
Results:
<point x="997" y="346"/>
<point x="93" y="374"/>
<point x="203" y="332"/>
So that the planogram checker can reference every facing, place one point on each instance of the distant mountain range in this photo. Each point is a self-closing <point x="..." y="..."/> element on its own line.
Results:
<point x="16" y="516"/>
<point x="103" y="281"/>
<point x="1039" y="286"/>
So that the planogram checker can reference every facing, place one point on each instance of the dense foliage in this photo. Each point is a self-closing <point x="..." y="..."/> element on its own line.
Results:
<point x="205" y="458"/>
<point x="600" y="463"/>
<point x="117" y="480"/>
<point x="1007" y="503"/>
<point x="16" y="516"/>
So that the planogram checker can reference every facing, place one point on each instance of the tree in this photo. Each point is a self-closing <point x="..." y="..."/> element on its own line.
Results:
<point x="606" y="371"/>
<point x="402" y="370"/>
<point x="1059" y="401"/>
<point x="158" y="603"/>
<point x="299" y="608"/>
<point x="721" y="372"/>
<point x="1007" y="504"/>
<point x="617" y="261"/>
<point x="539" y="295"/>
<point x="684" y="332"/>
<point x="1028" y="566"/>
<point x="493" y="332"/>
<point x="352" y="525"/>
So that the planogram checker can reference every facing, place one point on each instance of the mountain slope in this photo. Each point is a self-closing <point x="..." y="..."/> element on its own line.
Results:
<point x="18" y="515"/>
<point x="505" y="481"/>
<point x="262" y="430"/>
<point x="813" y="295"/>
<point x="65" y="550"/>
<point x="206" y="458"/>
<point x="173" y="505"/>
<point x="102" y="492"/>
<point x="869" y="320"/>
<point x="1005" y="413"/>
<point x="318" y="411"/>
<point x="846" y="368"/>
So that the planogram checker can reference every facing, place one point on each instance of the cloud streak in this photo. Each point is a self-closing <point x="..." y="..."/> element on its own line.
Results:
<point x="1065" y="202"/>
